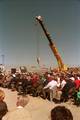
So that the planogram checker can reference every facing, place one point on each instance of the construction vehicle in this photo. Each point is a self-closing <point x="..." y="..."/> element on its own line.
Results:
<point x="61" y="65"/>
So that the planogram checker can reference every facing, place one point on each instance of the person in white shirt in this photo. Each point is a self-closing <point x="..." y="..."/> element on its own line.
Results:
<point x="63" y="82"/>
<point x="52" y="86"/>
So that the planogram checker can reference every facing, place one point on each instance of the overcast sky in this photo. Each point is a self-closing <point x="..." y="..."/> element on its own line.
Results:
<point x="22" y="38"/>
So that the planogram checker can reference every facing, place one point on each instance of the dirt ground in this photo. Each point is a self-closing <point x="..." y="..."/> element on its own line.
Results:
<point x="38" y="107"/>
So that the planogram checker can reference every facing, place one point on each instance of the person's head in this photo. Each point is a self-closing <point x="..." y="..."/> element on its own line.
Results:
<point x="3" y="109"/>
<point x="61" y="113"/>
<point x="22" y="101"/>
<point x="2" y="95"/>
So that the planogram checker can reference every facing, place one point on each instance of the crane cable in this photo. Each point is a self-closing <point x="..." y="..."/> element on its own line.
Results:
<point x="37" y="43"/>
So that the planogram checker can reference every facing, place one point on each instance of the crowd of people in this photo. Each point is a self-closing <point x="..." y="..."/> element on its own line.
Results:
<point x="54" y="85"/>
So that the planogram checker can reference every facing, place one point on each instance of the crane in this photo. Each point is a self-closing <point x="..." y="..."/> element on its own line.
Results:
<point x="61" y="65"/>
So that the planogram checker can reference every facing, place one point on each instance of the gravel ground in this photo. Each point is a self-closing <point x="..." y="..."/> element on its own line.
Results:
<point x="38" y="107"/>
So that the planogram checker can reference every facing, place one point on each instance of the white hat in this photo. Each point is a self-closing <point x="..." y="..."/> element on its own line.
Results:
<point x="72" y="78"/>
<point x="14" y="75"/>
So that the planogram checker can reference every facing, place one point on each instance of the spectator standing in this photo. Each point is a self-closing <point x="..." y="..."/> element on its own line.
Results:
<point x="52" y="86"/>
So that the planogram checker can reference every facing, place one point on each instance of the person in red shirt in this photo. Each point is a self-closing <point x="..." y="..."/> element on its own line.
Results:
<point x="77" y="83"/>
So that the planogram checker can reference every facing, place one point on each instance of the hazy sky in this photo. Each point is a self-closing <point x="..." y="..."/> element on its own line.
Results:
<point x="22" y="38"/>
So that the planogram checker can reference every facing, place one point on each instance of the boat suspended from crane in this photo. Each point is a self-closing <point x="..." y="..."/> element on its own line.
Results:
<point x="61" y="65"/>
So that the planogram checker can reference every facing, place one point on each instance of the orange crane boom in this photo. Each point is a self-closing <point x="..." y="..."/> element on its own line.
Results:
<point x="61" y="65"/>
